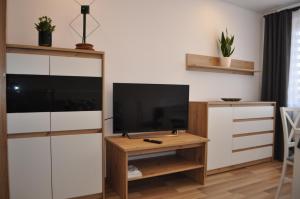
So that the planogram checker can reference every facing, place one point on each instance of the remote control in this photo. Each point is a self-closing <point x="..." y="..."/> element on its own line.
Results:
<point x="153" y="141"/>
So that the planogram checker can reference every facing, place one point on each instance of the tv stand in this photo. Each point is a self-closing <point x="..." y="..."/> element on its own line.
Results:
<point x="189" y="158"/>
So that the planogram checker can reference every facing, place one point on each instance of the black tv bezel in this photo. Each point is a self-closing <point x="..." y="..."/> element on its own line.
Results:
<point x="157" y="130"/>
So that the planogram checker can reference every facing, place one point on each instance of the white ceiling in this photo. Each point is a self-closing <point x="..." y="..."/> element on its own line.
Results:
<point x="263" y="6"/>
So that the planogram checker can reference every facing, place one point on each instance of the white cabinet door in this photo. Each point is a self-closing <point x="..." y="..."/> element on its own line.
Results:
<point x="27" y="64"/>
<point x="76" y="165"/>
<point x="73" y="66"/>
<point x="28" y="122"/>
<point x="76" y="120"/>
<point x="29" y="163"/>
<point x="220" y="136"/>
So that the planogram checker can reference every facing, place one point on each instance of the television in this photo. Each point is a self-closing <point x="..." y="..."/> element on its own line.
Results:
<point x="44" y="93"/>
<point x="149" y="107"/>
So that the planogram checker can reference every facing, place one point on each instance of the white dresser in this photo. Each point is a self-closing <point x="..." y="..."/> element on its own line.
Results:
<point x="55" y="155"/>
<point x="240" y="133"/>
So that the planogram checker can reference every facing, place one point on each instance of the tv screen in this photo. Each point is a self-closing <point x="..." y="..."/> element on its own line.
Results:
<point x="44" y="93"/>
<point x="149" y="107"/>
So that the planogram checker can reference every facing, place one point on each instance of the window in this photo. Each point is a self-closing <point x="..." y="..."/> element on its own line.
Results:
<point x="294" y="78"/>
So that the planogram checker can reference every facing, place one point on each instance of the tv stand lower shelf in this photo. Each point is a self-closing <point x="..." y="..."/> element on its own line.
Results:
<point x="189" y="158"/>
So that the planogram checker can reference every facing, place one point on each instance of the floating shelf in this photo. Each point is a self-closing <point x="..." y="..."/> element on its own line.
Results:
<point x="152" y="167"/>
<point x="212" y="64"/>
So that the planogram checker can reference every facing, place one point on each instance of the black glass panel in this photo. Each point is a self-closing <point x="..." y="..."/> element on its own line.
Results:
<point x="150" y="107"/>
<point x="76" y="93"/>
<point x="39" y="93"/>
<point x="28" y="93"/>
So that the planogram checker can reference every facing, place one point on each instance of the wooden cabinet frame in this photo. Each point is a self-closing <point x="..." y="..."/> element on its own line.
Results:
<point x="4" y="190"/>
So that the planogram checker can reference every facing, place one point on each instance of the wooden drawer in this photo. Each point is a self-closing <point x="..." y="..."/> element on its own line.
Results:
<point x="252" y="141"/>
<point x="253" y="126"/>
<point x="252" y="155"/>
<point x="253" y="112"/>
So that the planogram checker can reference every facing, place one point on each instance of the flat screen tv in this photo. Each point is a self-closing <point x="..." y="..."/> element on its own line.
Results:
<point x="149" y="107"/>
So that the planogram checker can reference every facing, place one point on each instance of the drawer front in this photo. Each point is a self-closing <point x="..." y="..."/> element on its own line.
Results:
<point x="252" y="155"/>
<point x="253" y="112"/>
<point x="70" y="66"/>
<point x="79" y="120"/>
<point x="253" y="126"/>
<point x="28" y="122"/>
<point x="252" y="141"/>
<point x="27" y="64"/>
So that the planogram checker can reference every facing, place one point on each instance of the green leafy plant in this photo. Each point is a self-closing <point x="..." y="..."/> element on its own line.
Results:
<point x="226" y="43"/>
<point x="44" y="24"/>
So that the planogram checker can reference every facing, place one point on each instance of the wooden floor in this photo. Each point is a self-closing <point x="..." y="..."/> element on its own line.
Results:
<point x="254" y="182"/>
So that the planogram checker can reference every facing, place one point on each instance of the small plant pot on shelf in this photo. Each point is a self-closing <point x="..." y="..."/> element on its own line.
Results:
<point x="45" y="38"/>
<point x="225" y="62"/>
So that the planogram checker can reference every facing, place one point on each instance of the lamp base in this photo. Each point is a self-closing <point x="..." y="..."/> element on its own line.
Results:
<point x="84" y="46"/>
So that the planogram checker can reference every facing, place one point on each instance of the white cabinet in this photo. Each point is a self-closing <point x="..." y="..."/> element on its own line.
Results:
<point x="220" y="136"/>
<point x="27" y="64"/>
<point x="76" y="165"/>
<point x="55" y="166"/>
<point x="238" y="133"/>
<point x="29" y="163"/>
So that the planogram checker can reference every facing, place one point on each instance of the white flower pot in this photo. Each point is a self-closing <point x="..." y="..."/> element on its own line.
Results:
<point x="225" y="61"/>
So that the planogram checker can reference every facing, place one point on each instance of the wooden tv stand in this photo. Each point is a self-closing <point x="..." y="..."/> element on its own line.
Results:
<point x="190" y="158"/>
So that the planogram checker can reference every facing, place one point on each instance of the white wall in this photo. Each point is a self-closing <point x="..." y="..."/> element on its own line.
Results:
<point x="146" y="40"/>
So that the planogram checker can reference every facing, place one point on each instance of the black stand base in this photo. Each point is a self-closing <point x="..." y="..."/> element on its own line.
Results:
<point x="151" y="135"/>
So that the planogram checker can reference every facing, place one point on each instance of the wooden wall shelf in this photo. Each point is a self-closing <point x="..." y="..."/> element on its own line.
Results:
<point x="212" y="64"/>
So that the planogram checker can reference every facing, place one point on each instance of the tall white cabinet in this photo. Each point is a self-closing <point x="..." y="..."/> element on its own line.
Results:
<point x="55" y="155"/>
<point x="240" y="133"/>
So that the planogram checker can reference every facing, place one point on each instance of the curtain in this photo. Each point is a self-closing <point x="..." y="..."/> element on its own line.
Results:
<point x="294" y="77"/>
<point x="276" y="64"/>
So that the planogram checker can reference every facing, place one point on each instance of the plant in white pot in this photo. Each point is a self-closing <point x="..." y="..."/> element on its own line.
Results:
<point x="226" y="43"/>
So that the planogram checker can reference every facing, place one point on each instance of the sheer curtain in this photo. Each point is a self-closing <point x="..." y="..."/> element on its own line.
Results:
<point x="294" y="77"/>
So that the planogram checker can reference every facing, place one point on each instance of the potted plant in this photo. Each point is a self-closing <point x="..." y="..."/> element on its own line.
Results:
<point x="45" y="29"/>
<point x="226" y="43"/>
